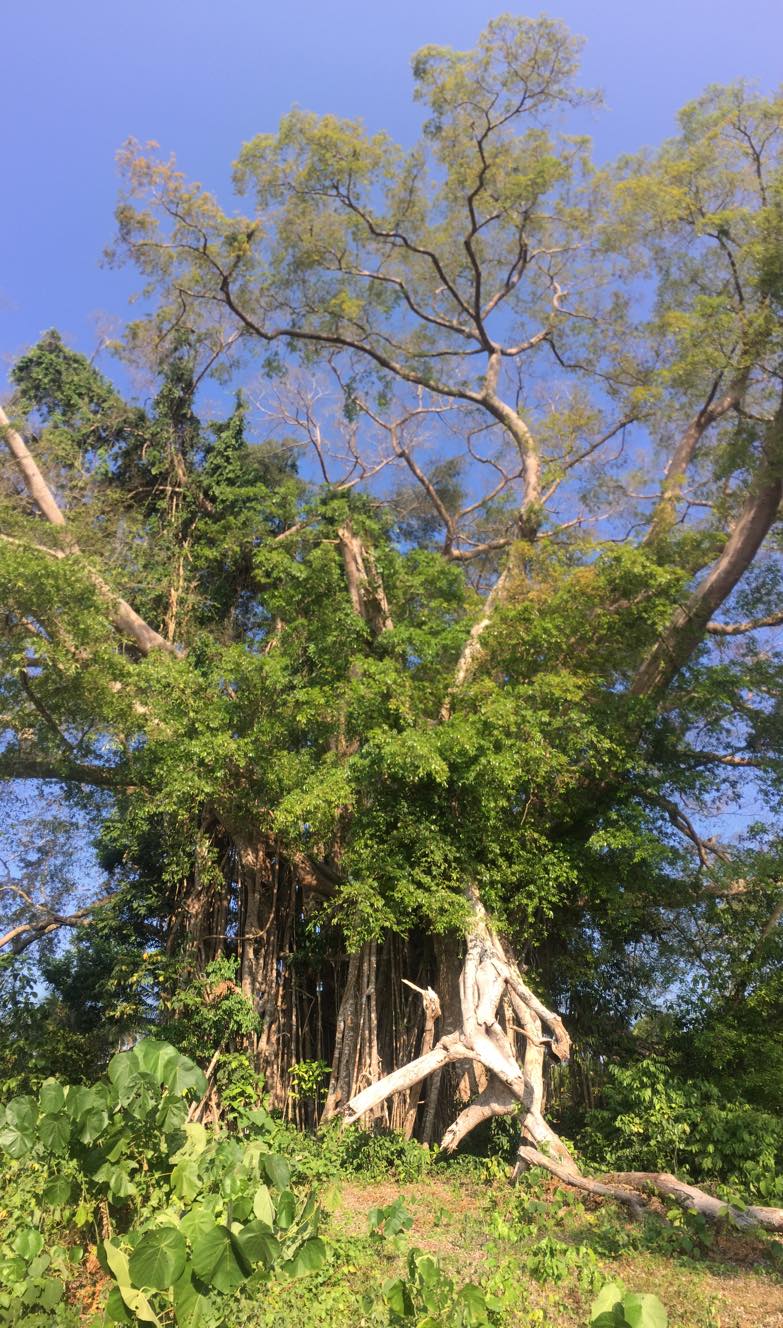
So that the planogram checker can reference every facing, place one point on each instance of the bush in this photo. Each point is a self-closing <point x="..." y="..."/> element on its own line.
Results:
<point x="376" y="1155"/>
<point x="185" y="1217"/>
<point x="648" y="1120"/>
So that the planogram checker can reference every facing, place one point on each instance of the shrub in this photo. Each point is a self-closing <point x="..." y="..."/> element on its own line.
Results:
<point x="648" y="1120"/>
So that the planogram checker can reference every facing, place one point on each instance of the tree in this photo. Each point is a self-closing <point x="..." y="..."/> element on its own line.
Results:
<point x="444" y="758"/>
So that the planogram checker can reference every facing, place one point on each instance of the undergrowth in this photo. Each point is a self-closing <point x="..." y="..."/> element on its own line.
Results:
<point x="117" y="1208"/>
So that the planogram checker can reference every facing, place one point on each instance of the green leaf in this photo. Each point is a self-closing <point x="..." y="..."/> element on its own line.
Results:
<point x="427" y="1269"/>
<point x="51" y="1292"/>
<point x="79" y="1100"/>
<point x="191" y="1301"/>
<point x="120" y="1183"/>
<point x="644" y="1311"/>
<point x="286" y="1209"/>
<point x="13" y="1270"/>
<point x="185" y="1180"/>
<point x="28" y="1243"/>
<point x="168" y="1066"/>
<point x="123" y="1072"/>
<point x="19" y="1134"/>
<point x="197" y="1222"/>
<point x="397" y="1297"/>
<point x="609" y="1296"/>
<point x="308" y="1258"/>
<point x="185" y="1075"/>
<point x="116" y="1309"/>
<point x="158" y="1259"/>
<point x="55" y="1132"/>
<point x="474" y="1302"/>
<point x="136" y="1301"/>
<point x="263" y="1206"/>
<point x="58" y="1191"/>
<point x="51" y="1097"/>
<point x="277" y="1170"/>
<point x="92" y="1124"/>
<point x="172" y="1114"/>
<point x="257" y="1243"/>
<point x="218" y="1261"/>
<point x="117" y="1262"/>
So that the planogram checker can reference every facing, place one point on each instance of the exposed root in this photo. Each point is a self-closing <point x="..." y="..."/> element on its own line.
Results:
<point x="487" y="979"/>
<point x="626" y="1188"/>
<point x="491" y="986"/>
<point x="534" y="1158"/>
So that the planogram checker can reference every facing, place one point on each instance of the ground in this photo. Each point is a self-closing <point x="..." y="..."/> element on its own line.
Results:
<point x="544" y="1249"/>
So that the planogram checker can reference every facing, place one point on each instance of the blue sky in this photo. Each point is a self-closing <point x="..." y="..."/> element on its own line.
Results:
<point x="79" y="76"/>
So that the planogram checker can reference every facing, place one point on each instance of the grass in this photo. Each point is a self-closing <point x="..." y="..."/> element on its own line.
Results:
<point x="519" y="1243"/>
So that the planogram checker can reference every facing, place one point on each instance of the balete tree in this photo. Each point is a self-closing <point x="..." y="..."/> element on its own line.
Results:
<point x="436" y="682"/>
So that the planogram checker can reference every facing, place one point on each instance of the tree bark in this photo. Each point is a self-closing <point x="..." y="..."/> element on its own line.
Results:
<point x="688" y="625"/>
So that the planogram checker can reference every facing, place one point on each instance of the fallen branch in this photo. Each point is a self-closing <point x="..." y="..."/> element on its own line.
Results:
<point x="663" y="1182"/>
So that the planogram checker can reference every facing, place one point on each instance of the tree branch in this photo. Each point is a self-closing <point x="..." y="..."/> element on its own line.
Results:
<point x="125" y="619"/>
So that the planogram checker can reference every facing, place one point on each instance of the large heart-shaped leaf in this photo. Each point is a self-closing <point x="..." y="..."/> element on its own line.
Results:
<point x="79" y="1100"/>
<point x="308" y="1258"/>
<point x="51" y="1097"/>
<point x="158" y="1259"/>
<point x="397" y="1297"/>
<point x="218" y="1260"/>
<point x="92" y="1124"/>
<point x="19" y="1133"/>
<point x="28" y="1243"/>
<point x="198" y="1221"/>
<point x="124" y="1074"/>
<point x="55" y="1132"/>
<point x="474" y="1304"/>
<point x="257" y="1244"/>
<point x="168" y="1066"/>
<point x="644" y="1311"/>
<point x="603" y="1308"/>
<point x="191" y="1301"/>
<point x="185" y="1180"/>
<point x="277" y="1171"/>
<point x="58" y="1191"/>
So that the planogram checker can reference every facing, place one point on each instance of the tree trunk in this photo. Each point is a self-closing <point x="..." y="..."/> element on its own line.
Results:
<point x="487" y="976"/>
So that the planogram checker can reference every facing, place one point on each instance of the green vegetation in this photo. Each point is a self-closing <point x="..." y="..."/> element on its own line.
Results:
<point x="175" y="1223"/>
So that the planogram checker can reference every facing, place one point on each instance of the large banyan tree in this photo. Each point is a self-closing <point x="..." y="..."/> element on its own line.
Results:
<point x="412" y="705"/>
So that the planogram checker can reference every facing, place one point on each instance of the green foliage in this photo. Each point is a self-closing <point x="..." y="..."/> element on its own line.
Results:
<point x="613" y="1309"/>
<point x="374" y="1154"/>
<point x="648" y="1119"/>
<point x="207" y="1013"/>
<point x="429" y="1298"/>
<point x="186" y="1217"/>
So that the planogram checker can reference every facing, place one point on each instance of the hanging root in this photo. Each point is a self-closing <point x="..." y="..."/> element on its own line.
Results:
<point x="488" y="979"/>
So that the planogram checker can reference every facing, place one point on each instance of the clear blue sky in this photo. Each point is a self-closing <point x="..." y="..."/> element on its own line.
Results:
<point x="200" y="77"/>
